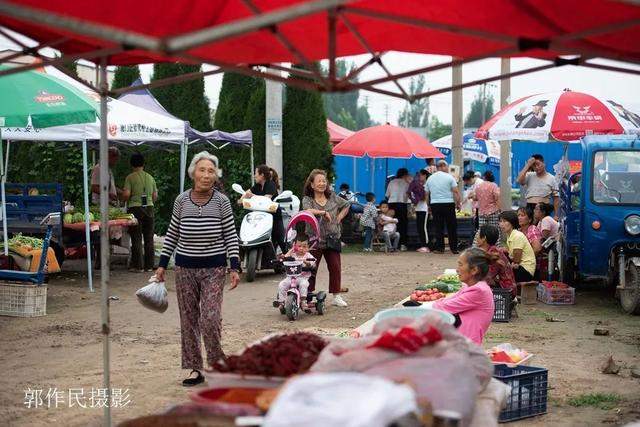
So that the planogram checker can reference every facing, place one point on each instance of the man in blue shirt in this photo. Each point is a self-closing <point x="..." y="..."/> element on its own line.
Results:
<point x="444" y="196"/>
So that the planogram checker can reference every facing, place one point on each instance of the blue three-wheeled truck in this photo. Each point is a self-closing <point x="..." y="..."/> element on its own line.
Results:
<point x="600" y="226"/>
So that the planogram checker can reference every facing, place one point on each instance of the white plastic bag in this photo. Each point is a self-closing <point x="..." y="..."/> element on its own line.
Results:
<point x="340" y="399"/>
<point x="154" y="295"/>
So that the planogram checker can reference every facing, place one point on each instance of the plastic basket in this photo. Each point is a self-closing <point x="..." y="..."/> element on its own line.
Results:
<point x="528" y="391"/>
<point x="23" y="300"/>
<point x="556" y="296"/>
<point x="502" y="301"/>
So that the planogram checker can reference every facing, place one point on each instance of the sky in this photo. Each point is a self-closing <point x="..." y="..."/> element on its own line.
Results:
<point x="621" y="87"/>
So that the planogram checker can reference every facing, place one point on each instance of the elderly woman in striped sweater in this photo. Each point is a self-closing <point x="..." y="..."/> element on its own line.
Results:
<point x="203" y="236"/>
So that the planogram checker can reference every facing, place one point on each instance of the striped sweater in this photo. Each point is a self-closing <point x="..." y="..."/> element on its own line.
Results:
<point x="201" y="236"/>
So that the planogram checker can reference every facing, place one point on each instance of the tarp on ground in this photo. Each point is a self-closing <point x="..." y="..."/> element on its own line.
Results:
<point x="143" y="98"/>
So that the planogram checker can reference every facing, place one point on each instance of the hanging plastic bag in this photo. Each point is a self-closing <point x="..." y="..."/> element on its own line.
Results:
<point x="154" y="295"/>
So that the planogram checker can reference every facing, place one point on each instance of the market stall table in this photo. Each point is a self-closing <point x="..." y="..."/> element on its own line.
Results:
<point x="117" y="228"/>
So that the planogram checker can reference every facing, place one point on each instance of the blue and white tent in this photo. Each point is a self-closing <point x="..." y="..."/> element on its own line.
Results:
<point x="479" y="150"/>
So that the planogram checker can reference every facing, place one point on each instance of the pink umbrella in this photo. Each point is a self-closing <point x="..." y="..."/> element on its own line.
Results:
<point x="387" y="141"/>
<point x="560" y="116"/>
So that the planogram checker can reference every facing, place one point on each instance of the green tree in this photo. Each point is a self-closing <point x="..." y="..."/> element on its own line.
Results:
<point x="255" y="120"/>
<point x="231" y="116"/>
<point x="124" y="76"/>
<point x="413" y="114"/>
<point x="305" y="138"/>
<point x="481" y="110"/>
<point x="186" y="101"/>
<point x="342" y="108"/>
<point x="437" y="129"/>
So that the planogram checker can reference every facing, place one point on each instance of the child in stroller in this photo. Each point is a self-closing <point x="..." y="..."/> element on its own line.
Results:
<point x="299" y="252"/>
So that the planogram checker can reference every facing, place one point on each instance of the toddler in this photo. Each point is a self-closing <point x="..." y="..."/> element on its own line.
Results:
<point x="368" y="221"/>
<point x="389" y="224"/>
<point x="300" y="252"/>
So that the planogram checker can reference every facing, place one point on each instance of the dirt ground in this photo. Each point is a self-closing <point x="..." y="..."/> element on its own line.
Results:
<point x="63" y="350"/>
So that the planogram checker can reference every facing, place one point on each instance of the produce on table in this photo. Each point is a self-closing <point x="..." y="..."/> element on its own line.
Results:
<point x="449" y="278"/>
<point x="278" y="356"/>
<point x="26" y="242"/>
<point x="72" y="216"/>
<point x="68" y="218"/>
<point x="429" y="295"/>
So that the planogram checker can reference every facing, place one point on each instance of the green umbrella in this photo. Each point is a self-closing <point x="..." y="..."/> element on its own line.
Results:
<point x="47" y="100"/>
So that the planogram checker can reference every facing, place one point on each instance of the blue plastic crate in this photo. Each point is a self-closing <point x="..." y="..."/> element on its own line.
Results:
<point x="528" y="391"/>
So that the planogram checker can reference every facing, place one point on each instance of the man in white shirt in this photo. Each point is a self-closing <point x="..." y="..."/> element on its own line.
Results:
<point x="114" y="156"/>
<point x="541" y="185"/>
<point x="398" y="199"/>
<point x="444" y="198"/>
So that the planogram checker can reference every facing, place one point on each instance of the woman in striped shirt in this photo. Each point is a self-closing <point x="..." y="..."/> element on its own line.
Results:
<point x="203" y="236"/>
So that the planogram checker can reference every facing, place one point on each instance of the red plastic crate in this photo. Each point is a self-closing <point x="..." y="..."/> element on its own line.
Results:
<point x="556" y="296"/>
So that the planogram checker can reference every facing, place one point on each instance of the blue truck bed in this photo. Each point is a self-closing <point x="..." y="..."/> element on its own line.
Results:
<point x="25" y="212"/>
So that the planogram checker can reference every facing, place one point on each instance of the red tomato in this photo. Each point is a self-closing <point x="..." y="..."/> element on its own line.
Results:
<point x="414" y="297"/>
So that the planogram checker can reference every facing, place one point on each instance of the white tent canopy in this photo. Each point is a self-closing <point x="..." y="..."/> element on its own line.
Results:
<point x="125" y="123"/>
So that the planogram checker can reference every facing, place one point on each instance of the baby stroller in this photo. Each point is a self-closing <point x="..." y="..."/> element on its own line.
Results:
<point x="294" y="269"/>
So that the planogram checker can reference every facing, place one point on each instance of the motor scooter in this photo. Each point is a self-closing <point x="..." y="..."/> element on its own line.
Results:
<point x="256" y="229"/>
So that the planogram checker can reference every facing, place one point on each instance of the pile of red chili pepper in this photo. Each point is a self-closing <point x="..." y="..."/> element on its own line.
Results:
<point x="279" y="356"/>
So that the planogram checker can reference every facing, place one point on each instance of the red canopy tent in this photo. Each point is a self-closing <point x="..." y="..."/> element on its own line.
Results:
<point x="337" y="133"/>
<point x="243" y="34"/>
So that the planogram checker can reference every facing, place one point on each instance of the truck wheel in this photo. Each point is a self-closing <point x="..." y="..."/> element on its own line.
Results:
<point x="568" y="272"/>
<point x="252" y="260"/>
<point x="630" y="296"/>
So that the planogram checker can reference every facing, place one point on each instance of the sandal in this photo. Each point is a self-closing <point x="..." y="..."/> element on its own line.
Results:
<point x="190" y="382"/>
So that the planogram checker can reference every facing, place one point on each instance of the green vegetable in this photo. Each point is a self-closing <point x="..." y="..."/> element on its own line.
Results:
<point x="68" y="218"/>
<point x="20" y="240"/>
<point x="78" y="217"/>
<point x="449" y="278"/>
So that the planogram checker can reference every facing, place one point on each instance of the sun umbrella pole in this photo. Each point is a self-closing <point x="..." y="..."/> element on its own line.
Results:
<point x="87" y="224"/>
<point x="104" y="240"/>
<point x="505" y="146"/>
<point x="4" y="203"/>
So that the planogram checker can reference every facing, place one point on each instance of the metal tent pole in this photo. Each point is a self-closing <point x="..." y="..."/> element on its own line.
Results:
<point x="87" y="230"/>
<point x="183" y="163"/>
<point x="252" y="165"/>
<point x="4" y="202"/>
<point x="104" y="239"/>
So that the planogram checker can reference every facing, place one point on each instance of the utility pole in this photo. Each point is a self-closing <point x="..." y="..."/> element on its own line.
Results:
<point x="386" y="113"/>
<point x="273" y="143"/>
<point x="505" y="146"/>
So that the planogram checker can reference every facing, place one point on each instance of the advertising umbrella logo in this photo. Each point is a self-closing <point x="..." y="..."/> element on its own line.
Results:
<point x="44" y="97"/>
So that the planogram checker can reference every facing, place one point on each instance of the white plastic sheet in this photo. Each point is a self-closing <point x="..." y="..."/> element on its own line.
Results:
<point x="340" y="399"/>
